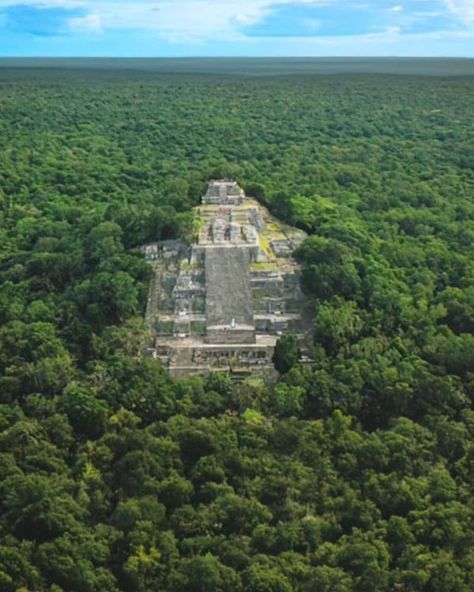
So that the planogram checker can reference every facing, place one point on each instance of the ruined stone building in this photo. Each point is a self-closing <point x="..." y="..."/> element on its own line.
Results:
<point x="221" y="303"/>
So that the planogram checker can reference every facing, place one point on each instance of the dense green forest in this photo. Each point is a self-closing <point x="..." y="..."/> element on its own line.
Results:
<point x="351" y="474"/>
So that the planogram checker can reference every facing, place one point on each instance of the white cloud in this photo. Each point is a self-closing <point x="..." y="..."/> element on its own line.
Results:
<point x="174" y="20"/>
<point x="247" y="19"/>
<point x="462" y="9"/>
<point x="396" y="9"/>
<point x="192" y="19"/>
<point x="90" y="23"/>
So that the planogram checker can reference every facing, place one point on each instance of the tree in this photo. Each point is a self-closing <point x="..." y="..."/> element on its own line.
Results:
<point x="39" y="507"/>
<point x="205" y="572"/>
<point x="133" y="510"/>
<point x="85" y="410"/>
<point x="331" y="579"/>
<point x="288" y="400"/>
<point x="286" y="353"/>
<point x="260" y="578"/>
<point x="337" y="324"/>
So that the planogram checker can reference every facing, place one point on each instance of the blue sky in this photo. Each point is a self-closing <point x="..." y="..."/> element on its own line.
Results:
<point x="236" y="28"/>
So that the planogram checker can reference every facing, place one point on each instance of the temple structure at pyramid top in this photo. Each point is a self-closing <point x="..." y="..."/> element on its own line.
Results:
<point x="224" y="192"/>
<point x="221" y="302"/>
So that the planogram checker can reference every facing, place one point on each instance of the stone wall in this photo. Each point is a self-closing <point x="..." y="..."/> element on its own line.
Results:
<point x="227" y="334"/>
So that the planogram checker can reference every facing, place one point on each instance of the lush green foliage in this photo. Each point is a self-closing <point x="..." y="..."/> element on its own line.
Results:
<point x="286" y="353"/>
<point x="352" y="474"/>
